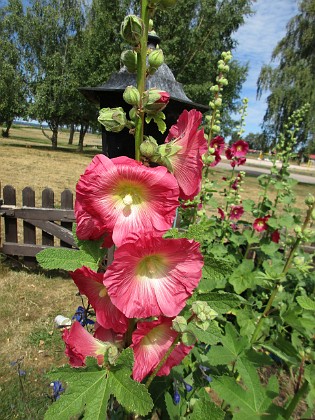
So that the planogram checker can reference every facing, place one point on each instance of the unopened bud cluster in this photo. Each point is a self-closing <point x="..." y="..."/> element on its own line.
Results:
<point x="204" y="314"/>
<point x="216" y="103"/>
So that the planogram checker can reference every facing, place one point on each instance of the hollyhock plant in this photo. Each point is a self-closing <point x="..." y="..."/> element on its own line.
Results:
<point x="152" y="276"/>
<point x="221" y="213"/>
<point x="239" y="148"/>
<point x="236" y="212"/>
<point x="217" y="158"/>
<point x="150" y="342"/>
<point x="189" y="144"/>
<point x="218" y="144"/>
<point x="124" y="196"/>
<point x="81" y="344"/>
<point x="91" y="285"/>
<point x="260" y="224"/>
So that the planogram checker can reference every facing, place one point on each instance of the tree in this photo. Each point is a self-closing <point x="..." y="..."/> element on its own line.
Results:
<point x="292" y="81"/>
<point x="13" y="92"/>
<point x="193" y="36"/>
<point x="49" y="33"/>
<point x="258" y="141"/>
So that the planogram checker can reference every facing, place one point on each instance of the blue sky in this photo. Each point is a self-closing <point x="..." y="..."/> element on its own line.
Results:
<point x="257" y="38"/>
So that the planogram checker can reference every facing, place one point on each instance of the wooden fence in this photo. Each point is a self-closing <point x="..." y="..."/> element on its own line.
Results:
<point x="39" y="228"/>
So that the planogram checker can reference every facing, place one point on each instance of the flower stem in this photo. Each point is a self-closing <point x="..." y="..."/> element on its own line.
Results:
<point x="163" y="360"/>
<point x="141" y="76"/>
<point x="295" y="400"/>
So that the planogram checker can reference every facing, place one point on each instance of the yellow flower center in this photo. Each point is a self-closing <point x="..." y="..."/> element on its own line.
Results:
<point x="152" y="266"/>
<point x="127" y="200"/>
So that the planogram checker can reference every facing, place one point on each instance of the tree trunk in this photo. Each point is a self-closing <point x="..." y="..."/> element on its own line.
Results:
<point x="54" y="137"/>
<point x="5" y="132"/>
<point x="71" y="135"/>
<point x="83" y="130"/>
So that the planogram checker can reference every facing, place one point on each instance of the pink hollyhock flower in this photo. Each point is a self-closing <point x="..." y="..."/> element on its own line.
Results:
<point x="81" y="344"/>
<point x="229" y="154"/>
<point x="218" y="144"/>
<point x="240" y="161"/>
<point x="217" y="158"/>
<point x="108" y="336"/>
<point x="186" y="163"/>
<point x="150" y="342"/>
<point x="234" y="226"/>
<point x="275" y="236"/>
<point x="260" y="224"/>
<point x="91" y="285"/>
<point x="236" y="212"/>
<point x="239" y="148"/>
<point x="124" y="196"/>
<point x="151" y="276"/>
<point x="155" y="100"/>
<point x="88" y="228"/>
<point x="221" y="213"/>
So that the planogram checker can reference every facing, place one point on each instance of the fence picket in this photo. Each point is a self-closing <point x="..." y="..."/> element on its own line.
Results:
<point x="48" y="201"/>
<point x="29" y="231"/>
<point x="66" y="203"/>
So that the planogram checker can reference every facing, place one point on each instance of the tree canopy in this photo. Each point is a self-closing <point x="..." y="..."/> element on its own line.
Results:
<point x="292" y="81"/>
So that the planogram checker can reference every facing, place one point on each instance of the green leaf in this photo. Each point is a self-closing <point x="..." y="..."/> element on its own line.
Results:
<point x="243" y="277"/>
<point x="270" y="248"/>
<point x="65" y="259"/>
<point x="132" y="395"/>
<point x="214" y="273"/>
<point x="158" y="119"/>
<point x="220" y="301"/>
<point x="172" y="409"/>
<point x="93" y="248"/>
<point x="251" y="400"/>
<point x="286" y="221"/>
<point x="206" y="409"/>
<point x="211" y="336"/>
<point x="248" y="205"/>
<point x="232" y="346"/>
<point x="306" y="303"/>
<point x="250" y="236"/>
<point x="88" y="390"/>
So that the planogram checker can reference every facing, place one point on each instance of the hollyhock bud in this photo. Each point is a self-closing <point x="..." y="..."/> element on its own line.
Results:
<point x="148" y="147"/>
<point x="188" y="338"/>
<point x="132" y="29"/>
<point x="179" y="324"/>
<point x="129" y="59"/>
<point x="155" y="100"/>
<point x="156" y="58"/>
<point x="309" y="200"/>
<point x="131" y="95"/>
<point x="113" y="119"/>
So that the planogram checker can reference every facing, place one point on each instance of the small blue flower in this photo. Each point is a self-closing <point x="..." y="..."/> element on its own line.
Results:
<point x="187" y="386"/>
<point x="203" y="368"/>
<point x="81" y="316"/>
<point x="57" y="388"/>
<point x="208" y="378"/>
<point x="21" y="372"/>
<point x="176" y="397"/>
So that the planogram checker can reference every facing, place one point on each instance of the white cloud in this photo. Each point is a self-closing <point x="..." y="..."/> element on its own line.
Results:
<point x="256" y="40"/>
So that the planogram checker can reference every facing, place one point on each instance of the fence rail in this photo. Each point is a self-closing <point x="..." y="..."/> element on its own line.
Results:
<point x="29" y="229"/>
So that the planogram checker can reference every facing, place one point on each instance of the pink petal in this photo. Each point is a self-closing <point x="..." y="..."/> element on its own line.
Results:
<point x="91" y="285"/>
<point x="150" y="342"/>
<point x="153" y="276"/>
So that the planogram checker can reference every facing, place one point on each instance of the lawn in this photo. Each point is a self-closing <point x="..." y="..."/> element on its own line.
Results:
<point x="30" y="301"/>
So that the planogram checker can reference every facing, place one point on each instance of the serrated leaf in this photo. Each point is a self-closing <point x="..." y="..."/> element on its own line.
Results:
<point x="250" y="401"/>
<point x="206" y="409"/>
<point x="211" y="336"/>
<point x="132" y="395"/>
<point x="65" y="259"/>
<point x="173" y="410"/>
<point x="220" y="301"/>
<point x="248" y="205"/>
<point x="93" y="248"/>
<point x="87" y="392"/>
<point x="306" y="303"/>
<point x="233" y="345"/>
<point x="250" y="237"/>
<point x="243" y="277"/>
<point x="215" y="273"/>
<point x="270" y="249"/>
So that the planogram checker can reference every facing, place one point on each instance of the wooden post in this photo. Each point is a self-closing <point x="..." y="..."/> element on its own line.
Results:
<point x="10" y="223"/>
<point x="66" y="203"/>
<point x="29" y="230"/>
<point x="48" y="202"/>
